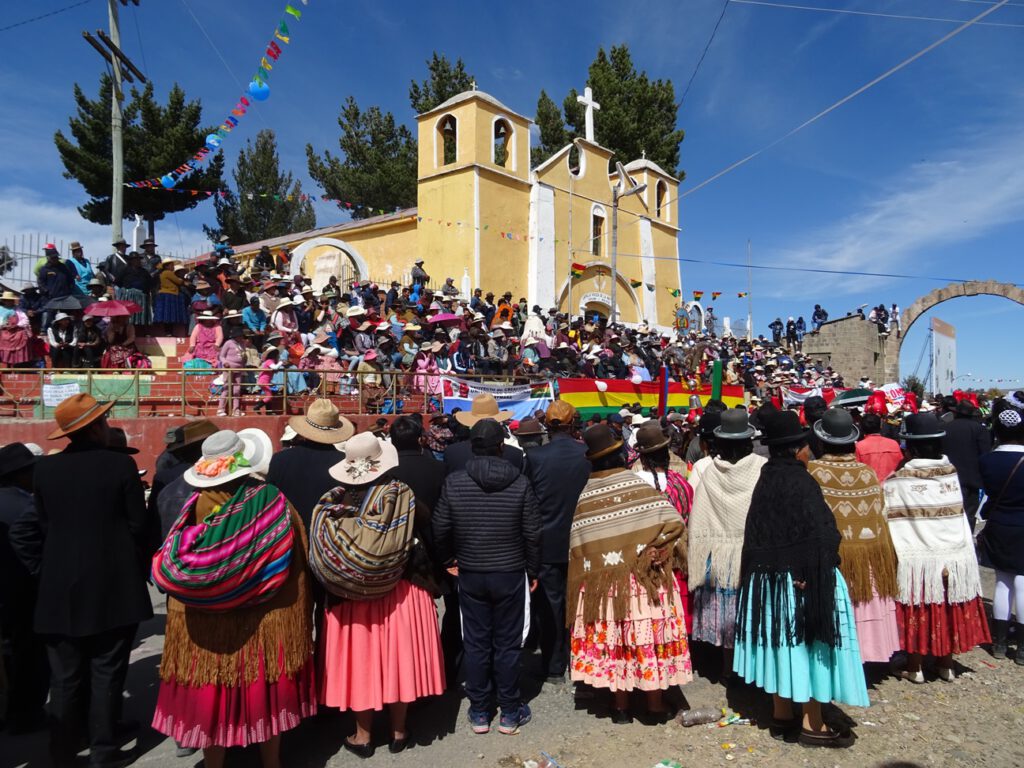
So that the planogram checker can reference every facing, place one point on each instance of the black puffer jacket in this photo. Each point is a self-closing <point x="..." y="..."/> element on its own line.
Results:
<point x="487" y="519"/>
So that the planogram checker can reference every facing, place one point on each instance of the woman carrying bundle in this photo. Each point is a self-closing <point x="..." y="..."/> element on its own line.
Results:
<point x="237" y="666"/>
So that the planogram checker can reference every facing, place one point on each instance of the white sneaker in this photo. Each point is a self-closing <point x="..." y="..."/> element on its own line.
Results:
<point x="914" y="677"/>
<point x="946" y="674"/>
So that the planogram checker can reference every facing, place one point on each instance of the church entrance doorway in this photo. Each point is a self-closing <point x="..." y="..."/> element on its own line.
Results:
<point x="322" y="257"/>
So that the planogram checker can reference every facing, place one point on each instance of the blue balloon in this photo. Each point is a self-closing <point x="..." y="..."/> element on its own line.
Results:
<point x="167" y="181"/>
<point x="259" y="91"/>
<point x="213" y="141"/>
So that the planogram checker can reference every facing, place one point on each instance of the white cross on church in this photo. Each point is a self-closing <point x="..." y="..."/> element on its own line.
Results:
<point x="587" y="100"/>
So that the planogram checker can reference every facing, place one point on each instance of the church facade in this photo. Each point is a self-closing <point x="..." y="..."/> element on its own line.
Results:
<point x="487" y="219"/>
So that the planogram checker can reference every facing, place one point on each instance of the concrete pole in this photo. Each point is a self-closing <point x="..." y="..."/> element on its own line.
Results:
<point x="116" y="133"/>
<point x="615" y="254"/>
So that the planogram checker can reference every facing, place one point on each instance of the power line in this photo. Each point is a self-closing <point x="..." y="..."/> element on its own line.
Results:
<point x="138" y="35"/>
<point x="44" y="15"/>
<point x="700" y="61"/>
<point x="885" y="75"/>
<point x="850" y="12"/>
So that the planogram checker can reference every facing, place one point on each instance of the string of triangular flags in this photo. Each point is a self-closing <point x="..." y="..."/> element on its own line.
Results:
<point x="258" y="90"/>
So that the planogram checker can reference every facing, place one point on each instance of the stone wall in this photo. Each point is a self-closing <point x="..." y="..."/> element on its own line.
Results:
<point x="852" y="346"/>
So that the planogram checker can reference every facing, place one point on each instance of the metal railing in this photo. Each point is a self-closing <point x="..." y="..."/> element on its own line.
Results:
<point x="145" y="392"/>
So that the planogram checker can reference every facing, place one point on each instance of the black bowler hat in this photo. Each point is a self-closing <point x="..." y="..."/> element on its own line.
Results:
<point x="784" y="427"/>
<point x="14" y="457"/>
<point x="921" y="426"/>
<point x="836" y="427"/>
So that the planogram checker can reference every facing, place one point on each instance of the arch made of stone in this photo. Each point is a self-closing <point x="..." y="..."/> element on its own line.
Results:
<point x="624" y="286"/>
<point x="952" y="291"/>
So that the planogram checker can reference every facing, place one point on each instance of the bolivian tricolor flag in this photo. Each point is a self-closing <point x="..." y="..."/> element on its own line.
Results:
<point x="588" y="399"/>
<point x="577" y="270"/>
<point x="698" y="295"/>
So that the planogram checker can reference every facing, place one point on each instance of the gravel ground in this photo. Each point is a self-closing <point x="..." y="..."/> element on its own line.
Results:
<point x="969" y="722"/>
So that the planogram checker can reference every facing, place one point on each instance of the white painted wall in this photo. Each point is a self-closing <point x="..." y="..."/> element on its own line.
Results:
<point x="540" y="286"/>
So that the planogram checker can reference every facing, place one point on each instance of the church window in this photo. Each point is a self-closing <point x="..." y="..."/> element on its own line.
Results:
<point x="575" y="161"/>
<point x="502" y="149"/>
<point x="597" y="231"/>
<point x="661" y="201"/>
<point x="447" y="140"/>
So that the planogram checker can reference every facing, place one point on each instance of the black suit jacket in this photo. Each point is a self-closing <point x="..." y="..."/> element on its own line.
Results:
<point x="457" y="454"/>
<point x="301" y="474"/>
<point x="558" y="471"/>
<point x="423" y="473"/>
<point x="965" y="442"/>
<point x="96" y="542"/>
<point x="17" y="587"/>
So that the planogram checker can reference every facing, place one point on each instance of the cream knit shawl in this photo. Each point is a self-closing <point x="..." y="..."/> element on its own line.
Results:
<point x="930" y="533"/>
<point x="719" y="515"/>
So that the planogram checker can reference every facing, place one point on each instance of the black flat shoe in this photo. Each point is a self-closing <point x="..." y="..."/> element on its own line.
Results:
<point x="784" y="730"/>
<point x="829" y="739"/>
<point x="363" y="751"/>
<point x="621" y="717"/>
<point x="398" y="745"/>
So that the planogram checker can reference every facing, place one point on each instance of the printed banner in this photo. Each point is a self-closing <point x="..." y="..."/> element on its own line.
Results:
<point x="605" y="396"/>
<point x="258" y="90"/>
<point x="523" y="400"/>
<point x="55" y="394"/>
<point x="797" y="395"/>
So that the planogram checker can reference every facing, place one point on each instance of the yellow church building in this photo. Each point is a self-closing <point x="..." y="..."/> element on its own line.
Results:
<point x="488" y="220"/>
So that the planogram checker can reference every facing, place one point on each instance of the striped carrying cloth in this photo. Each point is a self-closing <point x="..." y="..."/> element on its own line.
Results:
<point x="238" y="557"/>
<point x="360" y="538"/>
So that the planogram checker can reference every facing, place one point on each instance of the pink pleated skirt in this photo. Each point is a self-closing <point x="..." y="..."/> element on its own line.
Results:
<point x="235" y="716"/>
<point x="383" y="651"/>
<point x="877" y="631"/>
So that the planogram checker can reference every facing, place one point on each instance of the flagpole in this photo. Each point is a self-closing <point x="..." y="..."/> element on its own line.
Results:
<point x="750" y="296"/>
<point x="568" y="308"/>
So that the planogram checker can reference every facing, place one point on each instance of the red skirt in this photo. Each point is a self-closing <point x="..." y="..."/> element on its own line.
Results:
<point x="940" y="629"/>
<point x="223" y="716"/>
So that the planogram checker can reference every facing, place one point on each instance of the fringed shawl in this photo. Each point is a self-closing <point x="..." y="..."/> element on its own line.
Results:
<point x="622" y="527"/>
<point x="719" y="515"/>
<point x="866" y="553"/>
<point x="935" y="549"/>
<point x="790" y="532"/>
<point x="204" y="648"/>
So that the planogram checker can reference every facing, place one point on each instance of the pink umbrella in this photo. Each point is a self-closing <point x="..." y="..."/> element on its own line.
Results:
<point x="445" y="318"/>
<point x="112" y="308"/>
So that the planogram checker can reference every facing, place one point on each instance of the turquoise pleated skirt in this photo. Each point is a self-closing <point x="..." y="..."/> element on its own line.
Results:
<point x="800" y="672"/>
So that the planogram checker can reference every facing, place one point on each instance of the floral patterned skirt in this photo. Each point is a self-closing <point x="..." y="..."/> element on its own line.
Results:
<point x="645" y="650"/>
<point x="940" y="629"/>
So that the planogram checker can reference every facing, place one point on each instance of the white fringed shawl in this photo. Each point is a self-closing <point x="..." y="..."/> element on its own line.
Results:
<point x="930" y="533"/>
<point x="720" y="504"/>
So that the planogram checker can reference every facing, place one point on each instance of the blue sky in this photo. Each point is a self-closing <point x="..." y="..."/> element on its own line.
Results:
<point x="923" y="174"/>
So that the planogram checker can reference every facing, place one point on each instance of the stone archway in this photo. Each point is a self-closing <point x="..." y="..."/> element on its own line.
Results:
<point x="938" y="296"/>
<point x="324" y="246"/>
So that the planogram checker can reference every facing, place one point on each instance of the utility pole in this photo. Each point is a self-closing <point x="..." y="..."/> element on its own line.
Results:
<point x="116" y="132"/>
<point x="750" y="297"/>
<point x="624" y="188"/>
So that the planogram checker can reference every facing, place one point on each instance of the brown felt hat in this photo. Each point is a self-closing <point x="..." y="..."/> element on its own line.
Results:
<point x="600" y="441"/>
<point x="77" y="412"/>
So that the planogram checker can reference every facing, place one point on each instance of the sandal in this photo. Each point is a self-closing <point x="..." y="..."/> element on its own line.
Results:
<point x="784" y="730"/>
<point x="828" y="738"/>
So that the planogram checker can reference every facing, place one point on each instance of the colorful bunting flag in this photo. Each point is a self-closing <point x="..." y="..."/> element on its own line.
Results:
<point x="635" y="283"/>
<point x="698" y="295"/>
<point x="650" y="287"/>
<point x="674" y="291"/>
<point x="576" y="270"/>
<point x="741" y="295"/>
<point x="715" y="295"/>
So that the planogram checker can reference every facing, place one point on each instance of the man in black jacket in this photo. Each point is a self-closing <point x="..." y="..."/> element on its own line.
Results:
<point x="487" y="525"/>
<point x="558" y="472"/>
<point x="416" y="468"/>
<point x="169" y="491"/>
<point x="301" y="471"/>
<point x="965" y="442"/>
<point x="92" y="577"/>
<point x="457" y="455"/>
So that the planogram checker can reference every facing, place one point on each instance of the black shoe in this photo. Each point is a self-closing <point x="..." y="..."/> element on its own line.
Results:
<point x="829" y="739"/>
<point x="126" y="727"/>
<point x="621" y="717"/>
<point x="185" y="751"/>
<point x="359" y="750"/>
<point x="115" y="760"/>
<point x="784" y="730"/>
<point x="999" y="628"/>
<point x="398" y="745"/>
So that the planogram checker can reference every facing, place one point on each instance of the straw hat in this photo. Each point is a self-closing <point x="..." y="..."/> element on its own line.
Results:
<point x="9" y="296"/>
<point x="367" y="457"/>
<point x="322" y="424"/>
<point x="355" y="312"/>
<point x="229" y="455"/>
<point x="484" y="407"/>
<point x="75" y="413"/>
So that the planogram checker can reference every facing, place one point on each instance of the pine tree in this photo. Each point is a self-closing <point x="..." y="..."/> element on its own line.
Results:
<point x="156" y="139"/>
<point x="637" y="115"/>
<point x="377" y="168"/>
<point x="266" y="202"/>
<point x="553" y="135"/>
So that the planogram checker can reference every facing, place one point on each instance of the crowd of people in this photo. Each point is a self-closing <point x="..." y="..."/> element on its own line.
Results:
<point x="801" y="544"/>
<point x="252" y="319"/>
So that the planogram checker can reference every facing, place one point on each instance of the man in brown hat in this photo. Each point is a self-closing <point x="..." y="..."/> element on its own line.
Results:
<point x="301" y="471"/>
<point x="558" y="472"/>
<point x="484" y="407"/>
<point x="92" y="577"/>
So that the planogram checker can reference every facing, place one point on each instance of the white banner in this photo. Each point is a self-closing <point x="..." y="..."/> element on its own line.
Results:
<point x="55" y="394"/>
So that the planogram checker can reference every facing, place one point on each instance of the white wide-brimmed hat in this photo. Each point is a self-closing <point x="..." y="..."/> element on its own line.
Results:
<point x="229" y="455"/>
<point x="366" y="458"/>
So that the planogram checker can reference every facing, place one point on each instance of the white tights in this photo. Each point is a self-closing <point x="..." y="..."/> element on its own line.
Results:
<point x="1008" y="584"/>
